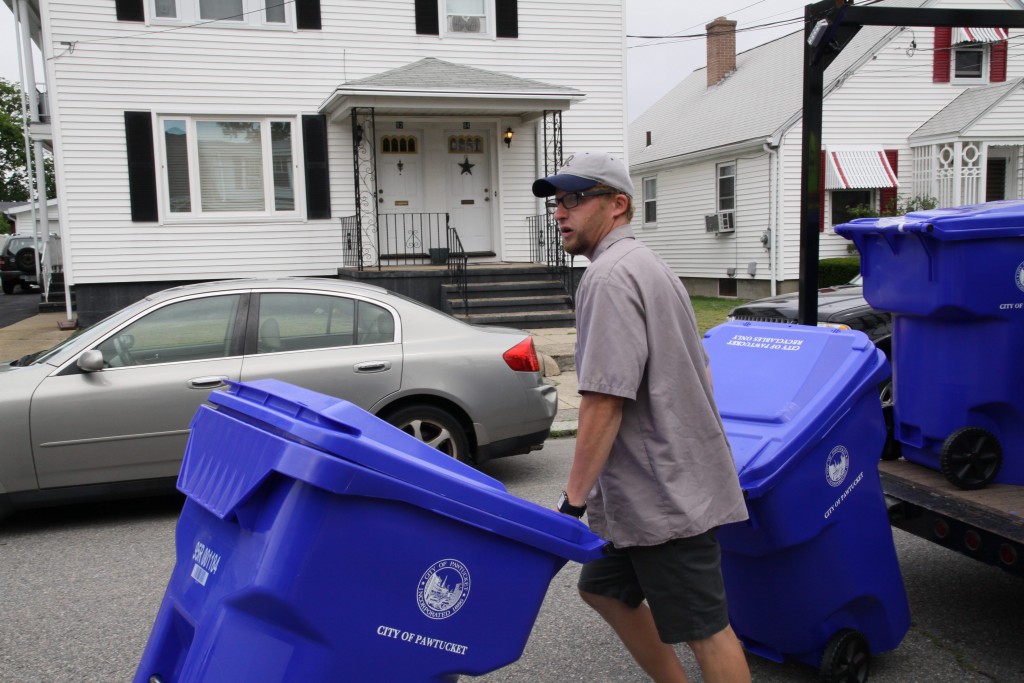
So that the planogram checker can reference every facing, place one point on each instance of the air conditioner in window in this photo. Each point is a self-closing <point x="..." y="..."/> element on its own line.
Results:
<point x="719" y="222"/>
<point x="725" y="222"/>
<point x="463" y="24"/>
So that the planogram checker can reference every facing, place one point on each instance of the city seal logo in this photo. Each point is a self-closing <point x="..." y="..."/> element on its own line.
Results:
<point x="443" y="589"/>
<point x="837" y="466"/>
<point x="1019" y="277"/>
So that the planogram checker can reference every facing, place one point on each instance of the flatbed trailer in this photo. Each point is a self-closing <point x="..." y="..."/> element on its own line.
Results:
<point x="985" y="524"/>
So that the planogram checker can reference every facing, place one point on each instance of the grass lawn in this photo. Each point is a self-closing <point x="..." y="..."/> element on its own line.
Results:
<point x="711" y="311"/>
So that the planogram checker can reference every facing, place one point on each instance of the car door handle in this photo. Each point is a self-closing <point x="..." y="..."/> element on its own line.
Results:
<point x="373" y="366"/>
<point x="212" y="382"/>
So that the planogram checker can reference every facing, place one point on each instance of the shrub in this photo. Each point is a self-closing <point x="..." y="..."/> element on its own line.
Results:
<point x="837" y="271"/>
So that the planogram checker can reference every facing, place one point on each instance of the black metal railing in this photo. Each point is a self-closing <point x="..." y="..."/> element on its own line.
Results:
<point x="458" y="260"/>
<point x="412" y="239"/>
<point x="351" y="243"/>
<point x="546" y="248"/>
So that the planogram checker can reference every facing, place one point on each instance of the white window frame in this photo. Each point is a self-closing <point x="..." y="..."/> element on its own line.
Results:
<point x="647" y="199"/>
<point x="489" y="17"/>
<point x="269" y="211"/>
<point x="735" y="190"/>
<point x="253" y="17"/>
<point x="986" y="63"/>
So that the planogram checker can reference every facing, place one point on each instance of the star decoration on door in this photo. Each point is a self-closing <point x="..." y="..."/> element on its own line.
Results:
<point x="467" y="168"/>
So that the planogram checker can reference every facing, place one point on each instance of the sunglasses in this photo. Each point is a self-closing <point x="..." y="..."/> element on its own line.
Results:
<point x="573" y="199"/>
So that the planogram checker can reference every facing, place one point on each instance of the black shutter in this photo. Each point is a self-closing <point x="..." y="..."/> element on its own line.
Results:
<point x="507" y="18"/>
<point x="307" y="14"/>
<point x="318" y="182"/>
<point x="130" y="10"/>
<point x="426" y="17"/>
<point x="138" y="128"/>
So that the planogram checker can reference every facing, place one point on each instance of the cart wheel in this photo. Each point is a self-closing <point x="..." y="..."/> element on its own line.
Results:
<point x="970" y="458"/>
<point x="846" y="658"/>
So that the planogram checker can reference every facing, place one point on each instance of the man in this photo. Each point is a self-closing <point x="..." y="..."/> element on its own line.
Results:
<point x="652" y="466"/>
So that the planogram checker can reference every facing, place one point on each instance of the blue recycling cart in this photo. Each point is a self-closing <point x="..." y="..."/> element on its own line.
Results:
<point x="812" y="576"/>
<point x="954" y="282"/>
<point x="318" y="543"/>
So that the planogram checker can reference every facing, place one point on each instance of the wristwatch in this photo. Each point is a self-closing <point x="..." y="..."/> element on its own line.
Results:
<point x="565" y="507"/>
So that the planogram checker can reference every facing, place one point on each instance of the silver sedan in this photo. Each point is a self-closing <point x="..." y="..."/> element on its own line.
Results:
<point x="107" y="412"/>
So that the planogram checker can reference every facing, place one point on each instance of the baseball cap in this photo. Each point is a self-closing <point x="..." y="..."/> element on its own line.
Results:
<point x="584" y="170"/>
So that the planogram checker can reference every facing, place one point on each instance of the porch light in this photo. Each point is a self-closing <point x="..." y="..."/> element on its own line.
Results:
<point x="508" y="137"/>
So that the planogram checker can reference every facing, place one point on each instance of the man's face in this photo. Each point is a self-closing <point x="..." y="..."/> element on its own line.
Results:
<point x="584" y="226"/>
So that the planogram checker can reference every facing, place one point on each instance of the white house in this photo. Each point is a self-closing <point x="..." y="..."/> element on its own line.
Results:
<point x="208" y="139"/>
<point x="908" y="112"/>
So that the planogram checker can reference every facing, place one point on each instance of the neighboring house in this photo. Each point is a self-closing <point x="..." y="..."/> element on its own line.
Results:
<point x="21" y="214"/>
<point x="908" y="112"/>
<point x="211" y="139"/>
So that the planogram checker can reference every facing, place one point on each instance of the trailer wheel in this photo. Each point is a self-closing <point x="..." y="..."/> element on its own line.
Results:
<point x="971" y="458"/>
<point x="846" y="659"/>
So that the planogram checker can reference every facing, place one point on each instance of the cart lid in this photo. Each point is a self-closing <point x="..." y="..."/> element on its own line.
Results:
<point x="404" y="468"/>
<point x="978" y="221"/>
<point x="780" y="387"/>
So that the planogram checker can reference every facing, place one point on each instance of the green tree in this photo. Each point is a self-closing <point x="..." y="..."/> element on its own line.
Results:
<point x="15" y="183"/>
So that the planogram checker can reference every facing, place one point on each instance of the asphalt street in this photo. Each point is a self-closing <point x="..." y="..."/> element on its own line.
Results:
<point x="18" y="306"/>
<point x="80" y="587"/>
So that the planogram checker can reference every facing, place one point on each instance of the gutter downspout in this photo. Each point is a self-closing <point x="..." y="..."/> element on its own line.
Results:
<point x="773" y="208"/>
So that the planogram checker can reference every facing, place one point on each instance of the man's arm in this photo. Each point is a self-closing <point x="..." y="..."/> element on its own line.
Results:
<point x="599" y="420"/>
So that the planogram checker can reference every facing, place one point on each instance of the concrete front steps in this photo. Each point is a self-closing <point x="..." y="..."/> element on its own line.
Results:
<point x="523" y="297"/>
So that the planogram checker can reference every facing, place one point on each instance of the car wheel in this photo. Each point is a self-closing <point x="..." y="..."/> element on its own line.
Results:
<point x="8" y="287"/>
<point x="25" y="259"/>
<point x="434" y="427"/>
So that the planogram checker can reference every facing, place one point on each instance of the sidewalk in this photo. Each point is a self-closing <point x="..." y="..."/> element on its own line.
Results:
<point x="556" y="347"/>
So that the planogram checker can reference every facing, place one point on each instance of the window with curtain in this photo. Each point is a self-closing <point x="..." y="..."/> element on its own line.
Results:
<point x="466" y="16"/>
<point x="229" y="166"/>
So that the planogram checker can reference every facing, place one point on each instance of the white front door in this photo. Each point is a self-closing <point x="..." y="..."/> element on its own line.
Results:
<point x="469" y="188"/>
<point x="400" y="191"/>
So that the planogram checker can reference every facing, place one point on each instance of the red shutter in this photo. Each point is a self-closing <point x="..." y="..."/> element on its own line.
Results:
<point x="887" y="195"/>
<point x="940" y="57"/>
<point x="997" y="70"/>
<point x="821" y="195"/>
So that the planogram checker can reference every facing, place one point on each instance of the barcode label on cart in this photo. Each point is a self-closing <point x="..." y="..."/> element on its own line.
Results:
<point x="200" y="575"/>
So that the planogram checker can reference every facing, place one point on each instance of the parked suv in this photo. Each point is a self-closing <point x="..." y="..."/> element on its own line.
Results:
<point x="17" y="263"/>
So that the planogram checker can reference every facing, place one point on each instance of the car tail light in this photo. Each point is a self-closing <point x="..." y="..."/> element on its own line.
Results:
<point x="523" y="357"/>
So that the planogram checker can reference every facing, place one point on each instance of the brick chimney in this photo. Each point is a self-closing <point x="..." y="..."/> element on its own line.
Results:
<point x="721" y="49"/>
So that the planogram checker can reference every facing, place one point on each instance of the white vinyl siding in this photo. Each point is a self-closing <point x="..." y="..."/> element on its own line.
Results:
<point x="223" y="69"/>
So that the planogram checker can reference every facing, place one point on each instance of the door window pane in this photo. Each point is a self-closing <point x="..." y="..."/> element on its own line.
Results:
<point x="230" y="165"/>
<point x="298" y="322"/>
<point x="284" y="180"/>
<point x="197" y="329"/>
<point x="176" y="144"/>
<point x="376" y="324"/>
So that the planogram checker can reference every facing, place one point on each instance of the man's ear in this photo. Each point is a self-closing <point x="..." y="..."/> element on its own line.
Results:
<point x="620" y="203"/>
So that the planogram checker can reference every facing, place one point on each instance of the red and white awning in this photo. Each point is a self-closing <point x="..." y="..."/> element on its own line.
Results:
<point x="850" y="168"/>
<point x="964" y="34"/>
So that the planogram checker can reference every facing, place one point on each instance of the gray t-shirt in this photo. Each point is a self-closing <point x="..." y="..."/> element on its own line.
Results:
<point x="670" y="473"/>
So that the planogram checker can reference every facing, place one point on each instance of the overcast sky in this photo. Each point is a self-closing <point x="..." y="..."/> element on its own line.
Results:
<point x="653" y="66"/>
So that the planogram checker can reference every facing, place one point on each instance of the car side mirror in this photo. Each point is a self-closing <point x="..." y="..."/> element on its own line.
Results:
<point x="91" y="361"/>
